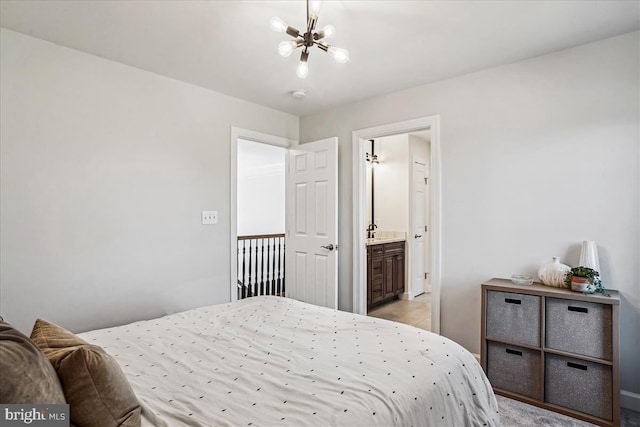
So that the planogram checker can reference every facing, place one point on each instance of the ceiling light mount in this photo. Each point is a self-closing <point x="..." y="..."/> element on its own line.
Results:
<point x="299" y="93"/>
<point x="307" y="40"/>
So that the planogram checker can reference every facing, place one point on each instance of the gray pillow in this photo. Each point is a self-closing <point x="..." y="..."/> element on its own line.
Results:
<point x="27" y="375"/>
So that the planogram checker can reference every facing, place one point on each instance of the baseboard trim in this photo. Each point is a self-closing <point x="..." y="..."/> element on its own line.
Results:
<point x="630" y="400"/>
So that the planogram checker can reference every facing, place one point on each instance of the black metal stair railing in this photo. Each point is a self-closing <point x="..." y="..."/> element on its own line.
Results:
<point x="260" y="265"/>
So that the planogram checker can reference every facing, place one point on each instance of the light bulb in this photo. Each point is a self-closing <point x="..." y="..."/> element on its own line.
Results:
<point x="303" y="70"/>
<point x="315" y="7"/>
<point x="329" y="31"/>
<point x="285" y="48"/>
<point x="278" y="24"/>
<point x="339" y="54"/>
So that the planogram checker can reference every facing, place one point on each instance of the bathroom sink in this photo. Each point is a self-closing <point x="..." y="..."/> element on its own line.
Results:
<point x="384" y="239"/>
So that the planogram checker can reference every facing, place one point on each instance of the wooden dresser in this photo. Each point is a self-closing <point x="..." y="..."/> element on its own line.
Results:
<point x="553" y="348"/>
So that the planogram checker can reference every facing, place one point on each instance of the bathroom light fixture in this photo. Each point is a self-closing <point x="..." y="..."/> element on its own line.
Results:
<point x="308" y="39"/>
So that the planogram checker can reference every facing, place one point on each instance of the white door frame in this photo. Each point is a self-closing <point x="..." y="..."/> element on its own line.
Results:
<point x="359" y="249"/>
<point x="249" y="135"/>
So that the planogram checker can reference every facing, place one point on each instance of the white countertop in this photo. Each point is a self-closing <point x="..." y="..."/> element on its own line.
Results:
<point x="387" y="237"/>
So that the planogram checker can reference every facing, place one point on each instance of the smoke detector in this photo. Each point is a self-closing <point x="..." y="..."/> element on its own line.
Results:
<point x="299" y="93"/>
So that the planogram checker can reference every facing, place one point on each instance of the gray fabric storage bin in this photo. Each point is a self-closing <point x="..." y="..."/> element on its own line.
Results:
<point x="579" y="385"/>
<point x="514" y="369"/>
<point x="513" y="317"/>
<point x="579" y="327"/>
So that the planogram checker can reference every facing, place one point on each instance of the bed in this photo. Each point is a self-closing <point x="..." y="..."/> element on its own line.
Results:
<point x="266" y="360"/>
<point x="277" y="361"/>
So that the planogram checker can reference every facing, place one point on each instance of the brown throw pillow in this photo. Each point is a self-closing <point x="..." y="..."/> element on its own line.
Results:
<point x="27" y="376"/>
<point x="55" y="341"/>
<point x="96" y="389"/>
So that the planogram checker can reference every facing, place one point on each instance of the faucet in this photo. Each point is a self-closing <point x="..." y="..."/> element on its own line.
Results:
<point x="371" y="231"/>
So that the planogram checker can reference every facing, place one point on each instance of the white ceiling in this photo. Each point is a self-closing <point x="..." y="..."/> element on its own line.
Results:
<point x="227" y="46"/>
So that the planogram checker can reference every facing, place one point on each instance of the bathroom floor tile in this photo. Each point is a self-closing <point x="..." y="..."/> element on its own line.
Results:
<point x="416" y="312"/>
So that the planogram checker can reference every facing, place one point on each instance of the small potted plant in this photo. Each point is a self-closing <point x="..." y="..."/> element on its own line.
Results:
<point x="584" y="279"/>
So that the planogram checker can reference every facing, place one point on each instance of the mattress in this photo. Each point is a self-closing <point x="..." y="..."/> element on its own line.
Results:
<point x="277" y="361"/>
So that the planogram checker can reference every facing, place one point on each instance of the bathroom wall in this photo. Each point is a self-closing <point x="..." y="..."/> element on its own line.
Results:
<point x="392" y="183"/>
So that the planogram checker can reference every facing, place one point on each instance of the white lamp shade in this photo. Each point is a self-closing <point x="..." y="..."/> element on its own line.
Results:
<point x="303" y="70"/>
<point x="315" y="7"/>
<point x="329" y="31"/>
<point x="286" y="48"/>
<point x="278" y="24"/>
<point x="339" y="54"/>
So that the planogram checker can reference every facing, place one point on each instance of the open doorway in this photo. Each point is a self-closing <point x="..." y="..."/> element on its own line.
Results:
<point x="260" y="219"/>
<point x="257" y="212"/>
<point x="310" y="241"/>
<point x="398" y="211"/>
<point x="360" y="220"/>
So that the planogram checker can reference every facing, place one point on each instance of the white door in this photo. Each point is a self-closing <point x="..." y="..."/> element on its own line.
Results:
<point x="417" y="236"/>
<point x="312" y="223"/>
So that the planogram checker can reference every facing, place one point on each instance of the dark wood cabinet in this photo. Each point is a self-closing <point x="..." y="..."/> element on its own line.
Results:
<point x="385" y="272"/>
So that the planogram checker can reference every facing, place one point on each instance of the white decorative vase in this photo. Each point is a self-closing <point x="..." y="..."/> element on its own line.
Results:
<point x="589" y="255"/>
<point x="553" y="274"/>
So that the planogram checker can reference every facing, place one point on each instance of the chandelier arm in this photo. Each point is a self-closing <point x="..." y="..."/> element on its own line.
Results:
<point x="322" y="45"/>
<point x="311" y="23"/>
<point x="293" y="32"/>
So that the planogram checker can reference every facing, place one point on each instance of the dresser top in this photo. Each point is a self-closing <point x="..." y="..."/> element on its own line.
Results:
<point x="506" y="285"/>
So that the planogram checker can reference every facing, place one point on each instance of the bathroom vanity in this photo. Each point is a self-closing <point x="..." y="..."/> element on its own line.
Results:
<point x="385" y="269"/>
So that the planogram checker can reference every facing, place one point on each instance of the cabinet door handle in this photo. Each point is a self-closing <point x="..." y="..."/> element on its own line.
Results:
<point x="577" y="366"/>
<point x="578" y="309"/>
<point x="512" y="301"/>
<point x="516" y="352"/>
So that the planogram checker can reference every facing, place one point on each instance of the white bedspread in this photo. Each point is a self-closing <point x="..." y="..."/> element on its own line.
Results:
<point x="276" y="361"/>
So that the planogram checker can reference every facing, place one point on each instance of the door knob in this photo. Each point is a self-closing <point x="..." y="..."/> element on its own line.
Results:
<point x="417" y="236"/>
<point x="328" y="247"/>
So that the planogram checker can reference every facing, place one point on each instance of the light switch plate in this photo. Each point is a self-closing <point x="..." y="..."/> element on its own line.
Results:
<point x="209" y="217"/>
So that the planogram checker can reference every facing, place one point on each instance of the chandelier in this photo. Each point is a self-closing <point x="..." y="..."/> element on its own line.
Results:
<point x="307" y="40"/>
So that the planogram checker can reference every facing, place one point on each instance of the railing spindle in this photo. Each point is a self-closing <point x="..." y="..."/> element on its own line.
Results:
<point x="260" y="274"/>
<point x="279" y="270"/>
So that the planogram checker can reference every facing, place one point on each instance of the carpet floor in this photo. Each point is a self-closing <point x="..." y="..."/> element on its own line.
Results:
<point x="514" y="413"/>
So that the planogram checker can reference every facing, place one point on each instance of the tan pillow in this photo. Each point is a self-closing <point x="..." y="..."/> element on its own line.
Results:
<point x="26" y="376"/>
<point x="55" y="341"/>
<point x="96" y="389"/>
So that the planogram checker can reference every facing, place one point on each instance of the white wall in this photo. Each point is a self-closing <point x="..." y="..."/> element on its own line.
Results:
<point x="392" y="177"/>
<point x="260" y="188"/>
<point x="105" y="170"/>
<point x="391" y="184"/>
<point x="536" y="156"/>
<point x="420" y="149"/>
